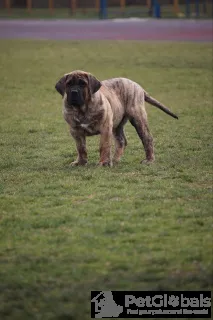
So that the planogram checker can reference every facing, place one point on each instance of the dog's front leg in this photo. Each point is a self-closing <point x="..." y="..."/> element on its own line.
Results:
<point x="105" y="146"/>
<point x="81" y="149"/>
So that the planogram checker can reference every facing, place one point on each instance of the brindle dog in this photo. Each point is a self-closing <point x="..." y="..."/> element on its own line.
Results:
<point x="92" y="107"/>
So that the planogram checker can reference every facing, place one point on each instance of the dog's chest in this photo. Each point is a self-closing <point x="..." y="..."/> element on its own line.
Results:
<point x="83" y="121"/>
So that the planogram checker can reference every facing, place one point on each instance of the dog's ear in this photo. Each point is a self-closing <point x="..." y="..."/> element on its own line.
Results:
<point x="60" y="85"/>
<point x="94" y="84"/>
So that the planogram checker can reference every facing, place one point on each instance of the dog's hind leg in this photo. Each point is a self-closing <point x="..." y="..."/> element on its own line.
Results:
<point x="120" y="143"/>
<point x="139" y="122"/>
<point x="120" y="140"/>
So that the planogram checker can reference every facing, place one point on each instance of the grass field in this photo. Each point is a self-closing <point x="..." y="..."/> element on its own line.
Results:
<point x="68" y="230"/>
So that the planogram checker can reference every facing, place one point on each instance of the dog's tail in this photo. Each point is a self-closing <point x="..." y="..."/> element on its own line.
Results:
<point x="159" y="105"/>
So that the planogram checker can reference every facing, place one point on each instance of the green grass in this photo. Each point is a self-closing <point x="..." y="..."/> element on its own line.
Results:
<point x="66" y="231"/>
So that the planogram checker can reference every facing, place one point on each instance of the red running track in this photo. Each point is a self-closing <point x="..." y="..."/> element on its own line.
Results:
<point x="117" y="29"/>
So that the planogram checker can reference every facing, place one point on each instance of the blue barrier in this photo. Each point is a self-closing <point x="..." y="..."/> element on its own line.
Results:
<point x="157" y="9"/>
<point x="103" y="9"/>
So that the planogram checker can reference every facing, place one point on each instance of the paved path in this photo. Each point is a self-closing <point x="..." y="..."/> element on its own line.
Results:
<point x="118" y="29"/>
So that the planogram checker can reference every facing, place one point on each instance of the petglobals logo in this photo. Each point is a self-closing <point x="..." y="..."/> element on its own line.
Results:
<point x="149" y="304"/>
<point x="163" y="300"/>
<point x="105" y="305"/>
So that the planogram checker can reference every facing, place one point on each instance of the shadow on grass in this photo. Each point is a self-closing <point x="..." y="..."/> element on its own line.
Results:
<point x="55" y="299"/>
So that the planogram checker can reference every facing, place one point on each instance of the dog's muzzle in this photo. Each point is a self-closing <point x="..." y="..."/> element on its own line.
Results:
<point x="75" y="97"/>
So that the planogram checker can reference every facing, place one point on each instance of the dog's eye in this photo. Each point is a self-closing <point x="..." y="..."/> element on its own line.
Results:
<point x="70" y="83"/>
<point x="82" y="82"/>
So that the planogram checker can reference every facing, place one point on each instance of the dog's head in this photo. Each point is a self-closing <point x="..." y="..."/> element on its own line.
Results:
<point x="78" y="86"/>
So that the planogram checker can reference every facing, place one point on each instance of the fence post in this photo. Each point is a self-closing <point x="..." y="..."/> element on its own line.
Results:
<point x="187" y="8"/>
<point x="204" y="7"/>
<point x="103" y="9"/>
<point x="29" y="6"/>
<point x="150" y="5"/>
<point x="51" y="6"/>
<point x="8" y="6"/>
<point x="97" y="5"/>
<point x="176" y="6"/>
<point x="73" y="6"/>
<point x="122" y="5"/>
<point x="197" y="8"/>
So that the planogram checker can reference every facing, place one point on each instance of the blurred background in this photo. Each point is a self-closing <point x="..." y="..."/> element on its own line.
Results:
<point x="85" y="9"/>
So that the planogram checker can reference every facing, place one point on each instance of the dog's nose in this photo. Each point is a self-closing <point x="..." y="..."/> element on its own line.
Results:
<point x="74" y="94"/>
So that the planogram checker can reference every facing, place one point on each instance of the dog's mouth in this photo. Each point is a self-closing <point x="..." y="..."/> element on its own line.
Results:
<point x="75" y="98"/>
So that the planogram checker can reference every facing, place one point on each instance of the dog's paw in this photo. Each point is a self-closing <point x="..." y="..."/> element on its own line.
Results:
<point x="147" y="161"/>
<point x="105" y="164"/>
<point x="78" y="163"/>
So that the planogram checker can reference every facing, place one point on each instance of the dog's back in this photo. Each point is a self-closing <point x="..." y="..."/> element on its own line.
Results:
<point x="129" y="92"/>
